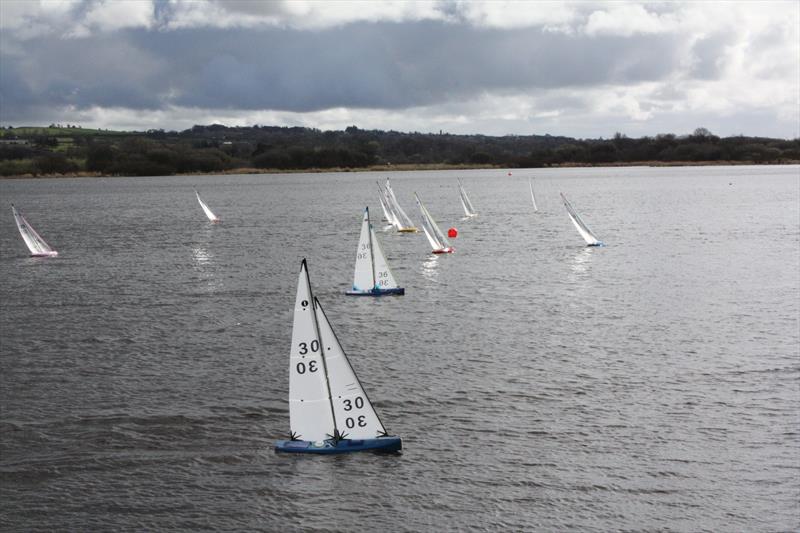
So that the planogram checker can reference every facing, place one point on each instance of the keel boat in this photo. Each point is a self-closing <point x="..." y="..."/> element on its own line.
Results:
<point x="329" y="411"/>
<point x="401" y="220"/>
<point x="469" y="211"/>
<point x="438" y="241"/>
<point x="587" y="234"/>
<point x="37" y="246"/>
<point x="211" y="216"/>
<point x="372" y="275"/>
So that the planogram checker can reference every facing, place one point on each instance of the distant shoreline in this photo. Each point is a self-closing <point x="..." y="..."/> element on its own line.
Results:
<point x="410" y="168"/>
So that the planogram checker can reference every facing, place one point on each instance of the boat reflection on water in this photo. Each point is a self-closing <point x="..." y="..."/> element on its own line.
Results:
<point x="429" y="268"/>
<point x="582" y="261"/>
<point x="201" y="256"/>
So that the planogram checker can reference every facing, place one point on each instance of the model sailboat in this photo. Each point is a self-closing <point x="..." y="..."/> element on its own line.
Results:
<point x="469" y="211"/>
<point x="372" y="274"/>
<point x="211" y="216"/>
<point x="533" y="196"/>
<point x="401" y="220"/>
<point x="37" y="246"/>
<point x="438" y="241"/>
<point x="329" y="412"/>
<point x="587" y="234"/>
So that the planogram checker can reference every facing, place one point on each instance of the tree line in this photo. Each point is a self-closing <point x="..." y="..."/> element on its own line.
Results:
<point x="216" y="148"/>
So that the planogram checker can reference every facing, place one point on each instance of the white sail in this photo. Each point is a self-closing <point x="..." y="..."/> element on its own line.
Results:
<point x="533" y="196"/>
<point x="469" y="210"/>
<point x="372" y="270"/>
<point x="35" y="243"/>
<point x="386" y="204"/>
<point x="364" y="276"/>
<point x="435" y="236"/>
<point x="310" y="410"/>
<point x="590" y="238"/>
<point x="211" y="216"/>
<point x="355" y="416"/>
<point x="386" y="215"/>
<point x="384" y="279"/>
<point x="402" y="218"/>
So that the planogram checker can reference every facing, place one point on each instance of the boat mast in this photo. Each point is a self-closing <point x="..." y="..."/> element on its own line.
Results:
<point x="314" y="304"/>
<point x="371" y="254"/>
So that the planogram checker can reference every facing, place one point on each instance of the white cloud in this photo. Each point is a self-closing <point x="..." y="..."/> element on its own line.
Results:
<point x="628" y="19"/>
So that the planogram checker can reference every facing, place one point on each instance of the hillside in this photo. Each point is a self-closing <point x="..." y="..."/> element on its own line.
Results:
<point x="217" y="148"/>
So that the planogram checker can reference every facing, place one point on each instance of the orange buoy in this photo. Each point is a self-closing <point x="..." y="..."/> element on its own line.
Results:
<point x="452" y="233"/>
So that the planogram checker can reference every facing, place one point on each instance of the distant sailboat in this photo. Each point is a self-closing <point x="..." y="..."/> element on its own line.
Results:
<point x="401" y="222"/>
<point x="329" y="412"/>
<point x="37" y="246"/>
<point x="372" y="275"/>
<point x="587" y="234"/>
<point x="386" y="204"/>
<point x="211" y="216"/>
<point x="438" y="241"/>
<point x="382" y="197"/>
<point x="533" y="196"/>
<point x="469" y="211"/>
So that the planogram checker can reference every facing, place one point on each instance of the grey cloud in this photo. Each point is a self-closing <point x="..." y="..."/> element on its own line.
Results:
<point x="381" y="65"/>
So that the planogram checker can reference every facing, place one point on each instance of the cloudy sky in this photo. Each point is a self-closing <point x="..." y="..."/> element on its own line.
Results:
<point x="581" y="69"/>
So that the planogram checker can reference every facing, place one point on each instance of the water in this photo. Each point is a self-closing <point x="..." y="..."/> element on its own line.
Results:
<point x="537" y="384"/>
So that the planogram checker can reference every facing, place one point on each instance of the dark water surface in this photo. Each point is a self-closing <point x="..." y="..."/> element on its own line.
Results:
<point x="537" y="384"/>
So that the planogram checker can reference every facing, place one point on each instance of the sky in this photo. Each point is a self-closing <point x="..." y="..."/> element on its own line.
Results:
<point x="580" y="69"/>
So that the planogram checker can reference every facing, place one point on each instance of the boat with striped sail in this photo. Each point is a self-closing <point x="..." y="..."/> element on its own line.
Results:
<point x="37" y="246"/>
<point x="329" y="411"/>
<point x="372" y="276"/>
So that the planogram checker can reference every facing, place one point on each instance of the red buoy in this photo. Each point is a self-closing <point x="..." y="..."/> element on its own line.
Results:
<point x="452" y="233"/>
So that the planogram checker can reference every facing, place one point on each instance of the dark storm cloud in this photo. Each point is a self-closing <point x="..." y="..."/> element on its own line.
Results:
<point x="380" y="65"/>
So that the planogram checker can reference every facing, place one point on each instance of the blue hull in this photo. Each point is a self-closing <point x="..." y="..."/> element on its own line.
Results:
<point x="377" y="292"/>
<point x="597" y="244"/>
<point x="380" y="444"/>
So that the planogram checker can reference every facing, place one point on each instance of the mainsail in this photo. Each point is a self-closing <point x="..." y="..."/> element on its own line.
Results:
<point x="35" y="243"/>
<point x="310" y="409"/>
<point x="469" y="210"/>
<point x="436" y="238"/>
<point x="587" y="234"/>
<point x="211" y="216"/>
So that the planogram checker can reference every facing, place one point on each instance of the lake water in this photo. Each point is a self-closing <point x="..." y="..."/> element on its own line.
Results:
<point x="537" y="384"/>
